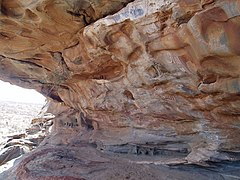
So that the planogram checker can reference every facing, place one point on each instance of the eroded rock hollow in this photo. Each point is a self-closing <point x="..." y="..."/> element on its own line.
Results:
<point x="134" y="85"/>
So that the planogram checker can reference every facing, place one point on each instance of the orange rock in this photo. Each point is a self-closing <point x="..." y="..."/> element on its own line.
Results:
<point x="122" y="72"/>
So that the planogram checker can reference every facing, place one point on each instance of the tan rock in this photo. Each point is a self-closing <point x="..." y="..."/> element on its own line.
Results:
<point x="164" y="73"/>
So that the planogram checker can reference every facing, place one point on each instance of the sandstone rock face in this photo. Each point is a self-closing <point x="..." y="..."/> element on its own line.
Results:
<point x="153" y="78"/>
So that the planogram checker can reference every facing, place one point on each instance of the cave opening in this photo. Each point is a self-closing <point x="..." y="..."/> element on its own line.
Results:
<point x="18" y="106"/>
<point x="14" y="93"/>
<point x="19" y="109"/>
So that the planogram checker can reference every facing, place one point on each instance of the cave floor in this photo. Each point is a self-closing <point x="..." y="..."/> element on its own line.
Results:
<point x="84" y="161"/>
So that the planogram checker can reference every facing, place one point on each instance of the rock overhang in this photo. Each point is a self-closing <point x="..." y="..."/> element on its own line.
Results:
<point x="161" y="73"/>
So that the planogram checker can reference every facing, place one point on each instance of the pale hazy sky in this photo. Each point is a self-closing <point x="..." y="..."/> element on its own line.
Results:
<point x="10" y="92"/>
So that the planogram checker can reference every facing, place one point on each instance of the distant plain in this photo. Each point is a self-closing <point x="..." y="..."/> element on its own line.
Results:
<point x="15" y="117"/>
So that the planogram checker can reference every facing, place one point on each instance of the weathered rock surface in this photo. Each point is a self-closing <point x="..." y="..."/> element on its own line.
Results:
<point x="142" y="82"/>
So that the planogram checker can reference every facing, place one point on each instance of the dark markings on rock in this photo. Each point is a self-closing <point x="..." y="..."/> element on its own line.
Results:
<point x="85" y="122"/>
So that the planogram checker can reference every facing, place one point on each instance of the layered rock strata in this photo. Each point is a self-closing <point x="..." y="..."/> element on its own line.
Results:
<point x="156" y="81"/>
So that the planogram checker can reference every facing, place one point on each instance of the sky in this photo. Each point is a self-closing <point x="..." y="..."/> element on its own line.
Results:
<point x="14" y="93"/>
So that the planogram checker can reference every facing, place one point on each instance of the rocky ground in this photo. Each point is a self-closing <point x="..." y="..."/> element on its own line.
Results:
<point x="81" y="160"/>
<point x="22" y="128"/>
<point x="15" y="117"/>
